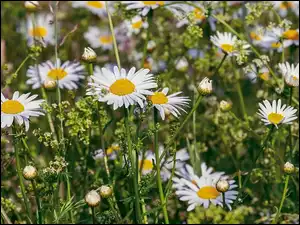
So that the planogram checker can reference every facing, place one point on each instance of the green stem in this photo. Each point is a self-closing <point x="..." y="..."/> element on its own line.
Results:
<point x="224" y="202"/>
<point x="38" y="203"/>
<point x="133" y="159"/>
<point x="255" y="161"/>
<point x="22" y="186"/>
<point x="290" y="127"/>
<point x="196" y="157"/>
<point x="113" y="36"/>
<point x="93" y="215"/>
<point x="159" y="182"/>
<point x="220" y="64"/>
<point x="282" y="199"/>
<point x="242" y="102"/>
<point x="4" y="216"/>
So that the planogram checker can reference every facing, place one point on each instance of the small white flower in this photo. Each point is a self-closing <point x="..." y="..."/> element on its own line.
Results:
<point x="99" y="38"/>
<point x="96" y="7"/>
<point x="89" y="55"/>
<point x="111" y="152"/>
<point x="135" y="25"/>
<point x="226" y="42"/>
<point x="203" y="191"/>
<point x="173" y="103"/>
<point x="262" y="73"/>
<point x="31" y="5"/>
<point x="42" y="31"/>
<point x="19" y="108"/>
<point x="143" y="6"/>
<point x="119" y="87"/>
<point x="67" y="74"/>
<point x="275" y="113"/>
<point x="290" y="73"/>
<point x="182" y="64"/>
<point x="284" y="6"/>
<point x="151" y="45"/>
<point x="205" y="86"/>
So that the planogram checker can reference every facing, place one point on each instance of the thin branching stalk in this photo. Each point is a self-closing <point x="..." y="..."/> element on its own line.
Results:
<point x="38" y="203"/>
<point x="159" y="182"/>
<point x="282" y="199"/>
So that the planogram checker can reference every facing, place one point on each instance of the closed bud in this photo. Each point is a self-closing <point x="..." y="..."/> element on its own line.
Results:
<point x="105" y="191"/>
<point x="205" y="87"/>
<point x="225" y="106"/>
<point x="92" y="198"/>
<point x="289" y="168"/>
<point x="29" y="172"/>
<point x="222" y="186"/>
<point x="31" y="5"/>
<point x="89" y="55"/>
<point x="50" y="84"/>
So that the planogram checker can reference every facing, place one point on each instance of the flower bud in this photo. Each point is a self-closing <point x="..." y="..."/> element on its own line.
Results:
<point x="29" y="172"/>
<point x="92" y="198"/>
<point x="289" y="168"/>
<point x="222" y="186"/>
<point x="31" y="5"/>
<point x="205" y="87"/>
<point x="50" y="84"/>
<point x="89" y="55"/>
<point x="105" y="191"/>
<point x="225" y="106"/>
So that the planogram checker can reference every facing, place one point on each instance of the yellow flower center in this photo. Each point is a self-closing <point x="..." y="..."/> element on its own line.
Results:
<point x="275" y="118"/>
<point x="264" y="76"/>
<point x="291" y="34"/>
<point x="111" y="149"/>
<point x="107" y="39"/>
<point x="159" y="98"/>
<point x="227" y="47"/>
<point x="12" y="107"/>
<point x="95" y="4"/>
<point x="122" y="87"/>
<point x="255" y="36"/>
<point x="276" y="45"/>
<point x="57" y="74"/>
<point x="199" y="14"/>
<point x="295" y="77"/>
<point x="137" y="25"/>
<point x="208" y="192"/>
<point x="153" y="2"/>
<point x="147" y="164"/>
<point x="38" y="32"/>
<point x="286" y="5"/>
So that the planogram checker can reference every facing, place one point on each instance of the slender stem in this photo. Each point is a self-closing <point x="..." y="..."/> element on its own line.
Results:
<point x="93" y="215"/>
<point x="145" y="218"/>
<point x="196" y="157"/>
<point x="159" y="182"/>
<point x="290" y="127"/>
<point x="22" y="186"/>
<point x="133" y="159"/>
<point x="220" y="64"/>
<point x="113" y="36"/>
<point x="242" y="102"/>
<point x="255" y="161"/>
<point x="5" y="217"/>
<point x="282" y="199"/>
<point x="38" y="203"/>
<point x="224" y="202"/>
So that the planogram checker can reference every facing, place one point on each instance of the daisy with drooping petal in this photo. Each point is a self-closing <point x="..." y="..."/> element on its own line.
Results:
<point x="99" y="38"/>
<point x="119" y="87"/>
<point x="290" y="73"/>
<point x="135" y="25"/>
<point x="96" y="7"/>
<point x="172" y="103"/>
<point x="203" y="191"/>
<point x="226" y="42"/>
<point x="19" y="108"/>
<point x="67" y="74"/>
<point x="143" y="6"/>
<point x="276" y="113"/>
<point x="42" y="31"/>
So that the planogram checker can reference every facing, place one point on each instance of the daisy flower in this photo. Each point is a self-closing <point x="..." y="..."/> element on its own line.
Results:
<point x="19" y="108"/>
<point x="146" y="163"/>
<point x="143" y="6"/>
<point x="203" y="192"/>
<point x="67" y="74"/>
<point x="171" y="103"/>
<point x="257" y="34"/>
<point x="99" y="38"/>
<point x="111" y="152"/>
<point x="42" y="31"/>
<point x="276" y="113"/>
<point x="96" y="7"/>
<point x="290" y="73"/>
<point x="291" y="37"/>
<point x="263" y="73"/>
<point x="135" y="25"/>
<point x="284" y="6"/>
<point x="120" y="88"/>
<point x="226" y="42"/>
